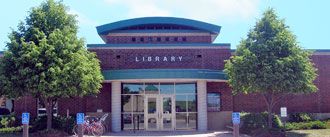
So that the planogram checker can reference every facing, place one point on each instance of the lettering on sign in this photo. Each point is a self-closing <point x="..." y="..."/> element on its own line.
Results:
<point x="159" y="59"/>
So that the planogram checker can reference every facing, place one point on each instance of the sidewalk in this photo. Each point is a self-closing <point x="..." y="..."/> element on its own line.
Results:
<point x="172" y="133"/>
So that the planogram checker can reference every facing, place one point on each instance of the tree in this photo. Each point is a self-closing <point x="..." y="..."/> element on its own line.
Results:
<point x="270" y="62"/>
<point x="46" y="59"/>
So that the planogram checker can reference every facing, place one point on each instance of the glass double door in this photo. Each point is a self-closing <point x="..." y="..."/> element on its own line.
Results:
<point x="159" y="112"/>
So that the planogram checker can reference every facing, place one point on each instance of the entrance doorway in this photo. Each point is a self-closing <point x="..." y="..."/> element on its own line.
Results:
<point x="159" y="106"/>
<point x="159" y="112"/>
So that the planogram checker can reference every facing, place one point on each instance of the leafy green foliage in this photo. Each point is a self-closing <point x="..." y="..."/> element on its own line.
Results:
<point x="270" y="60"/>
<point x="11" y="129"/>
<point x="306" y="125"/>
<point x="60" y="123"/>
<point x="300" y="117"/>
<point x="7" y="121"/>
<point x="256" y="121"/>
<point x="46" y="59"/>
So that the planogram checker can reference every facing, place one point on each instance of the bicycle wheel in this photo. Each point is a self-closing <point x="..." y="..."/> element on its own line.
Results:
<point x="75" y="129"/>
<point x="98" y="130"/>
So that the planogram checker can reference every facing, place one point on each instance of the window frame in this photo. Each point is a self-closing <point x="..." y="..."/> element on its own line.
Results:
<point x="212" y="108"/>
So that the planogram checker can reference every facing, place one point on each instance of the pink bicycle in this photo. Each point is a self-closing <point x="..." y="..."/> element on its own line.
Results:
<point x="92" y="126"/>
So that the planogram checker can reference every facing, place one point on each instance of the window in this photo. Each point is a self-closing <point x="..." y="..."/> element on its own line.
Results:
<point x="184" y="39"/>
<point x="186" y="105"/>
<point x="142" y="39"/>
<point x="150" y="39"/>
<point x="175" y="38"/>
<point x="167" y="39"/>
<point x="159" y="39"/>
<point x="133" y="39"/>
<point x="213" y="102"/>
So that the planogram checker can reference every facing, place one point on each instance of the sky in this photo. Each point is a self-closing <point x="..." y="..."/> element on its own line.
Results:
<point x="308" y="20"/>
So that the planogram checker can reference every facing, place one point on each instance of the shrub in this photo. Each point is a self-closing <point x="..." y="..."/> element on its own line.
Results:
<point x="300" y="117"/>
<point x="50" y="133"/>
<point x="257" y="121"/>
<point x="306" y="125"/>
<point x="60" y="123"/>
<point x="4" y="111"/>
<point x="7" y="121"/>
<point x="11" y="129"/>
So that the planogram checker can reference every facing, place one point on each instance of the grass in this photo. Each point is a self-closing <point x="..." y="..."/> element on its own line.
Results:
<point x="309" y="133"/>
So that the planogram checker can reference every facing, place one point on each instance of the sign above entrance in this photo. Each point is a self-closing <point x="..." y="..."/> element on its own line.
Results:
<point x="158" y="59"/>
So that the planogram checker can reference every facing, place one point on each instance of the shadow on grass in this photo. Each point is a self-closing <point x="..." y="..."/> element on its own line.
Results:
<point x="296" y="134"/>
<point x="19" y="134"/>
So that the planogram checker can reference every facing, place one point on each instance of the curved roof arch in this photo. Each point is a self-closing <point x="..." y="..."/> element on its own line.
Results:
<point x="104" y="29"/>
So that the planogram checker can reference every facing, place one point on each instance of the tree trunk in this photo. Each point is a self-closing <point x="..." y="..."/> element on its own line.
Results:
<point x="269" y="99"/>
<point x="49" y="110"/>
<point x="270" y="117"/>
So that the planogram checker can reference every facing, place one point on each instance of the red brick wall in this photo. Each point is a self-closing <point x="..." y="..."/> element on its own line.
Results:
<point x="101" y="101"/>
<point x="88" y="103"/>
<point x="315" y="102"/>
<point x="26" y="104"/>
<point x="210" y="58"/>
<point x="226" y="98"/>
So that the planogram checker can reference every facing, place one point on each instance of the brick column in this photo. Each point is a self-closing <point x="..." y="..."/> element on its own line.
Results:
<point x="116" y="106"/>
<point x="201" y="105"/>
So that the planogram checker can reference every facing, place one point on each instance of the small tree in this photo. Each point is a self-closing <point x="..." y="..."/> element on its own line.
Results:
<point x="45" y="59"/>
<point x="271" y="63"/>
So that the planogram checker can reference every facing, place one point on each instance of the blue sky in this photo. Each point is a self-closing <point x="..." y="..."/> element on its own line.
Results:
<point x="308" y="20"/>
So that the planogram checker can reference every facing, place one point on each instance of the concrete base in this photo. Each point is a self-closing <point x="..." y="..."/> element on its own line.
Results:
<point x="218" y="120"/>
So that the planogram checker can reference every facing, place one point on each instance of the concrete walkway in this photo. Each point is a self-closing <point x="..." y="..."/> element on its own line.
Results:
<point x="172" y="133"/>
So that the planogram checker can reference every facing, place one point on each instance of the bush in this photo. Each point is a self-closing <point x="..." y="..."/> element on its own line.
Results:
<point x="60" y="123"/>
<point x="300" y="117"/>
<point x="50" y="133"/>
<point x="306" y="125"/>
<point x="11" y="129"/>
<point x="4" y="111"/>
<point x="7" y="121"/>
<point x="257" y="121"/>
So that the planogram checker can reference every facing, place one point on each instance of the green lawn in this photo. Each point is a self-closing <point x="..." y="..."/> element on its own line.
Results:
<point x="309" y="133"/>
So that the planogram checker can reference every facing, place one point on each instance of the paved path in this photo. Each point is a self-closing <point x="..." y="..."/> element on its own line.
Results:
<point x="172" y="133"/>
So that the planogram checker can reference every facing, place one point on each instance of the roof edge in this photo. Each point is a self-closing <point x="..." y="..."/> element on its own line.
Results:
<point x="103" y="29"/>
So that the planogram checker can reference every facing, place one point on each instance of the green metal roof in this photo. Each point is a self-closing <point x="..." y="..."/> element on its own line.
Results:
<point x="164" y="74"/>
<point x="104" y="29"/>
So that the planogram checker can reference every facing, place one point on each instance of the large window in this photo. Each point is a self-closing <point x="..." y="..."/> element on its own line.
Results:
<point x="185" y="105"/>
<point x="132" y="105"/>
<point x="213" y="102"/>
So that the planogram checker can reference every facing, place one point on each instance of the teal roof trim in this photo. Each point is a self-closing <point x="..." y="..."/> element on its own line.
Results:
<point x="164" y="74"/>
<point x="161" y="45"/>
<point x="104" y="29"/>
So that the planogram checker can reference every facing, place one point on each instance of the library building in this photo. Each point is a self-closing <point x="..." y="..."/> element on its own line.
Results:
<point x="165" y="73"/>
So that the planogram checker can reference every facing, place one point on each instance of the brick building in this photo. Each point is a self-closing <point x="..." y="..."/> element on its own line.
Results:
<point x="167" y="74"/>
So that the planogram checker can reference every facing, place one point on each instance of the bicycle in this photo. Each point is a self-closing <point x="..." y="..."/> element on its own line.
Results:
<point x="94" y="127"/>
